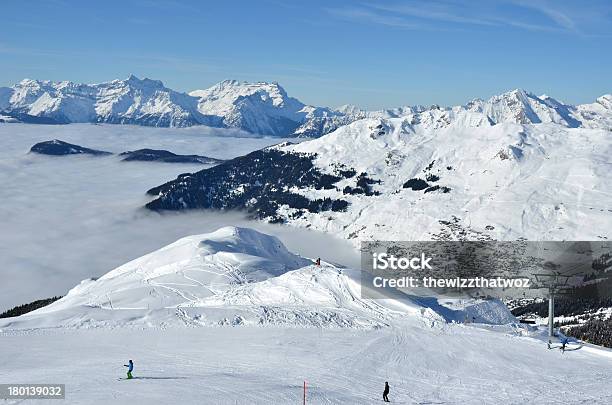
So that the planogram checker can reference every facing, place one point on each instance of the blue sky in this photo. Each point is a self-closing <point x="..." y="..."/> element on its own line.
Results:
<point x="371" y="53"/>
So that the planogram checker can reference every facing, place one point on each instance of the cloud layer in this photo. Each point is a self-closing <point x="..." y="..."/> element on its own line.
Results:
<point x="65" y="219"/>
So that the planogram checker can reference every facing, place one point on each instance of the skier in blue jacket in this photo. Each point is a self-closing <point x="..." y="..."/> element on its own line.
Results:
<point x="130" y="367"/>
<point x="563" y="344"/>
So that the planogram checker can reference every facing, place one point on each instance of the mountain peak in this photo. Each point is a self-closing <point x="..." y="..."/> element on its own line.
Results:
<point x="348" y="109"/>
<point x="519" y="93"/>
<point x="606" y="101"/>
<point x="265" y="107"/>
<point x="133" y="80"/>
<point x="237" y="83"/>
<point x="30" y="83"/>
<point x="230" y="82"/>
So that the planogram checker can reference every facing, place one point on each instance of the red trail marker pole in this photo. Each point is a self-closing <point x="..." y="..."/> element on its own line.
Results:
<point x="304" y="392"/>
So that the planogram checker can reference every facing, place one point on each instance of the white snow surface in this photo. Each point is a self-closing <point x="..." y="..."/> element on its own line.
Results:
<point x="540" y="182"/>
<point x="274" y="321"/>
<point x="152" y="310"/>
<point x="238" y="276"/>
<point x="423" y="363"/>
<point x="232" y="316"/>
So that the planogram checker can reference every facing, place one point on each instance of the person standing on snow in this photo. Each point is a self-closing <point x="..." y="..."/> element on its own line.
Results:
<point x="563" y="344"/>
<point x="386" y="392"/>
<point x="130" y="367"/>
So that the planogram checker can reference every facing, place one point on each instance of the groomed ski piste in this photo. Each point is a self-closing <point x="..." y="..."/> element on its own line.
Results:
<point x="234" y="317"/>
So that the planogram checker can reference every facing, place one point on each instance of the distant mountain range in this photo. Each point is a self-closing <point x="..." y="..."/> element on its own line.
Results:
<point x="266" y="109"/>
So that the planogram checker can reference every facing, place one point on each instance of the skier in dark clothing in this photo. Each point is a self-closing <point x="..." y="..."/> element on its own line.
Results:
<point x="386" y="392"/>
<point x="130" y="367"/>
<point x="318" y="261"/>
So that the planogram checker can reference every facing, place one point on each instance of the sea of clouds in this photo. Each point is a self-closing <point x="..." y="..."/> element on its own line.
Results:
<point x="64" y="219"/>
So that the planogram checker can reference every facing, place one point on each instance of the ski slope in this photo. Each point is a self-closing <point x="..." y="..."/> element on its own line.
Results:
<point x="234" y="317"/>
<point x="424" y="364"/>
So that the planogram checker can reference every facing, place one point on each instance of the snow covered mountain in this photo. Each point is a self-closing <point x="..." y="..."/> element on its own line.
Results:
<point x="131" y="101"/>
<point x="262" y="108"/>
<point x="265" y="108"/>
<point x="516" y="106"/>
<point x="397" y="179"/>
<point x="233" y="276"/>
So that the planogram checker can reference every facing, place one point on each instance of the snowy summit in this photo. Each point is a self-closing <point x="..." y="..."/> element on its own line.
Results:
<point x="233" y="276"/>
<point x="266" y="108"/>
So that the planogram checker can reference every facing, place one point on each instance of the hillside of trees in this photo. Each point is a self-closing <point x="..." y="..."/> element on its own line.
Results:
<point x="25" y="308"/>
<point x="564" y="307"/>
<point x="596" y="331"/>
